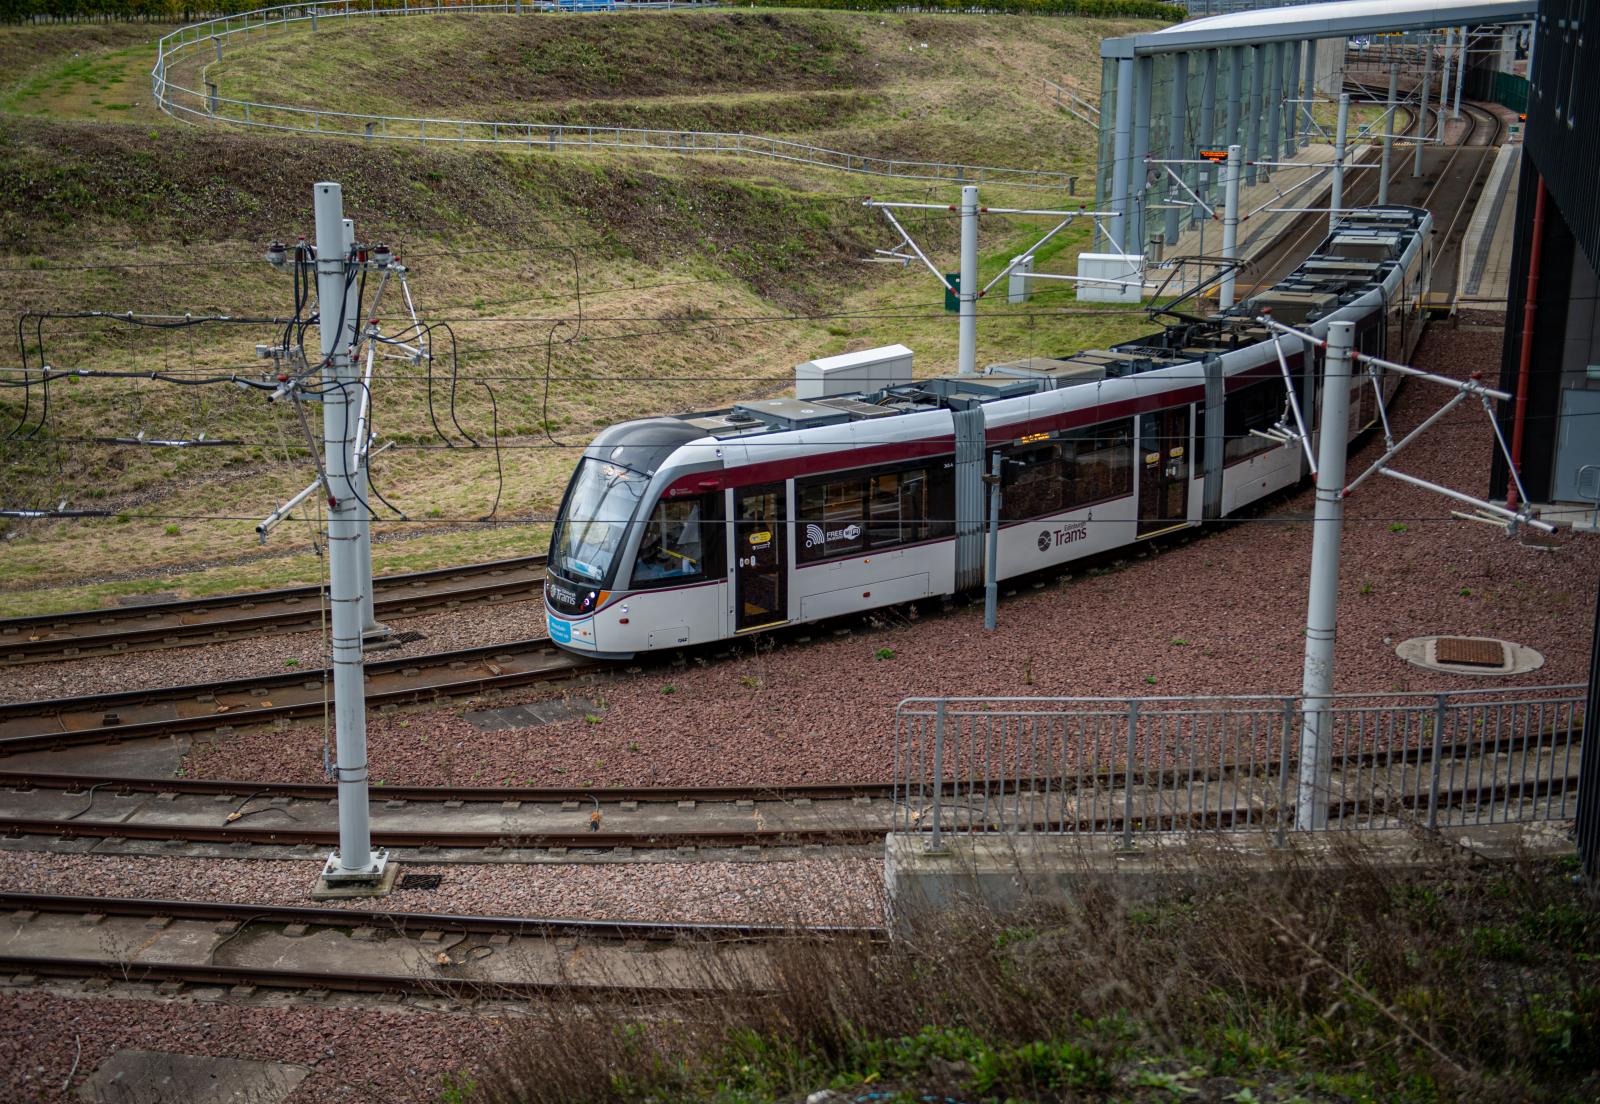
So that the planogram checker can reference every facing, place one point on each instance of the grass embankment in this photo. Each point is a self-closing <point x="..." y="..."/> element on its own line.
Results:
<point x="1463" y="982"/>
<point x="702" y="283"/>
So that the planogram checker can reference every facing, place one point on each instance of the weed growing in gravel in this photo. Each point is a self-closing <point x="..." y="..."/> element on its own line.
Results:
<point x="883" y="653"/>
<point x="750" y="682"/>
<point x="1309" y="980"/>
<point x="291" y="663"/>
<point x="669" y="689"/>
<point x="593" y="718"/>
<point x="1397" y="527"/>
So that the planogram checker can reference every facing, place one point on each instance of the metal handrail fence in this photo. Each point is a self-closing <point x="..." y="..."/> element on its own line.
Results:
<point x="1072" y="102"/>
<point x="1132" y="766"/>
<point x="211" y="107"/>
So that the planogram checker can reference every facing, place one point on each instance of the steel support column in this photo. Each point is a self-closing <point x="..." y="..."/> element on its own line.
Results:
<point x="1291" y="100"/>
<point x="1177" y="147"/>
<point x="1230" y="129"/>
<point x="1122" y="157"/>
<point x="1143" y="89"/>
<point x="1274" y="103"/>
<point x="1208" y="129"/>
<point x="1461" y="69"/>
<point x="1252" y="145"/>
<point x="1309" y="90"/>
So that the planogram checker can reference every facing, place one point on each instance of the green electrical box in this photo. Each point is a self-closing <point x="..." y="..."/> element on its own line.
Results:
<point x="951" y="302"/>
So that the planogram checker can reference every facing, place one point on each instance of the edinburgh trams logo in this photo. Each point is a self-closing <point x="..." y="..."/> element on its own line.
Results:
<point x="1066" y="534"/>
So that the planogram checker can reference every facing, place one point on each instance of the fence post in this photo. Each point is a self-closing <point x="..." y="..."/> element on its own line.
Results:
<point x="1283" y="770"/>
<point x="313" y="20"/>
<point x="218" y="42"/>
<point x="1433" y="779"/>
<point x="937" y="842"/>
<point x="211" y="98"/>
<point x="1127" y="775"/>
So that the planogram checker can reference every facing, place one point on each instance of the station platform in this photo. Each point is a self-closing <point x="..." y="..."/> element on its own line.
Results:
<point x="1259" y="233"/>
<point x="1483" y="278"/>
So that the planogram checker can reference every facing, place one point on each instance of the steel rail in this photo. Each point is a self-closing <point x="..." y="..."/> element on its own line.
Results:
<point x="16" y="827"/>
<point x="317" y="791"/>
<point x="161" y="711"/>
<point x="80" y="633"/>
<point x="277" y="978"/>
<point x="384" y="919"/>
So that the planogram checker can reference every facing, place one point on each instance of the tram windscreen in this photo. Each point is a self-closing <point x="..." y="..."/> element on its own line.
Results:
<point x="594" y="521"/>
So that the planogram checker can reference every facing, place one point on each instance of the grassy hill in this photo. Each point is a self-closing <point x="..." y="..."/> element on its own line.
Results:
<point x="581" y="288"/>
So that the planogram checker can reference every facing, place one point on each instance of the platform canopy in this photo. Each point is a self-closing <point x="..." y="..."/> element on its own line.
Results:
<point x="1341" y="19"/>
<point x="1248" y="78"/>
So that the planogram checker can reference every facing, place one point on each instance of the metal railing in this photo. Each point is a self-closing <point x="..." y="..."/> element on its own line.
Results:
<point x="208" y="105"/>
<point x="1131" y="766"/>
<point x="1071" y="101"/>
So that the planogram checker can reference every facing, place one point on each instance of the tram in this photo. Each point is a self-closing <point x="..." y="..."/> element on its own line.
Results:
<point x="698" y="527"/>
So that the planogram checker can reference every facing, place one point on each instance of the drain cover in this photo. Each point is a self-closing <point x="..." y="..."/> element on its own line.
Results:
<point x="1470" y="651"/>
<point x="1469" y="655"/>
<point x="420" y="881"/>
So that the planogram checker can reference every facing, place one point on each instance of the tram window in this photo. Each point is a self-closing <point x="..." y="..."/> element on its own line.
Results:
<point x="1098" y="462"/>
<point x="681" y="543"/>
<point x="1032" y="482"/>
<point x="1257" y="406"/>
<point x="844" y="514"/>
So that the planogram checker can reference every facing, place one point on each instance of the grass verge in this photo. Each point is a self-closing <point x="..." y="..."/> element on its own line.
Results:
<point x="1316" y="981"/>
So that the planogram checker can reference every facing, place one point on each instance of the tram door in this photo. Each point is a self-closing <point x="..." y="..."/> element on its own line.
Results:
<point x="759" y="590"/>
<point x="1163" y="470"/>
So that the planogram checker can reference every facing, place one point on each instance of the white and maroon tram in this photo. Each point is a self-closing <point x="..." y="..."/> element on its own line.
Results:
<point x="698" y="527"/>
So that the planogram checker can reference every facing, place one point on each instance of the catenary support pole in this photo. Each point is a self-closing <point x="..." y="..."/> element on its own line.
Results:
<point x="991" y="569"/>
<point x="1388" y="134"/>
<point x="1444" y="76"/>
<point x="1341" y="137"/>
<point x="968" y="297"/>
<point x="1208" y="129"/>
<point x="354" y="861"/>
<point x="1461" y="69"/>
<point x="1230" y="224"/>
<point x="1311" y="807"/>
<point x="1422" y="119"/>
<point x="1122" y="157"/>
<point x="355" y="398"/>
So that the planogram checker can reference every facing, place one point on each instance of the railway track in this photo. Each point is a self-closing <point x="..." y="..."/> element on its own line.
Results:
<point x="517" y="822"/>
<point x="58" y="723"/>
<point x="361" y="952"/>
<point x="51" y="637"/>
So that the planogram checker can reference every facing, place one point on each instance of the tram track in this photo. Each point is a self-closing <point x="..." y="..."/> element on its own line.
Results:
<point x="311" y="952"/>
<point x="189" y="622"/>
<point x="57" y="723"/>
<point x="114" y="815"/>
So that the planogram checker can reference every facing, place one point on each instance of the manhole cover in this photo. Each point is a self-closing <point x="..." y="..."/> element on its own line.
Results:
<point x="1469" y="655"/>
<point x="420" y="881"/>
<point x="1470" y="650"/>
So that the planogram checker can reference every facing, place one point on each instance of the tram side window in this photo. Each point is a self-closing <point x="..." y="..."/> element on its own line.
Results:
<point x="681" y="543"/>
<point x="1032" y="481"/>
<point x="1257" y="406"/>
<point x="845" y="514"/>
<point x="1100" y="462"/>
